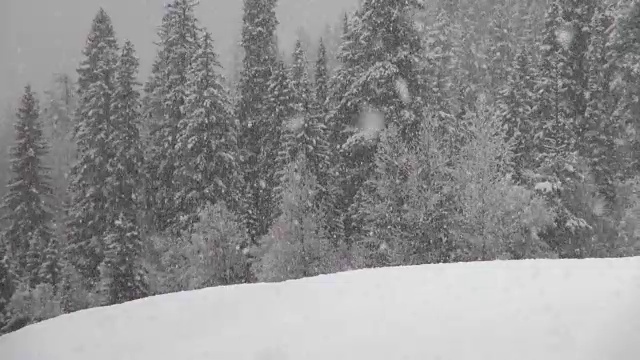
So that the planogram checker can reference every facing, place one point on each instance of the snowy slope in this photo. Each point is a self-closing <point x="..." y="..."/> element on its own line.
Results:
<point x="584" y="309"/>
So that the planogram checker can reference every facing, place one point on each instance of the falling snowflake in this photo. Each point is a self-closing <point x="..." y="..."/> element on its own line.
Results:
<point x="565" y="35"/>
<point x="403" y="90"/>
<point x="371" y="122"/>
<point x="263" y="184"/>
<point x="545" y="187"/>
<point x="296" y="123"/>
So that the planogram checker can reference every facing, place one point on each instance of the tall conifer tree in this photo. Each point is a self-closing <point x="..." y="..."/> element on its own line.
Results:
<point x="28" y="235"/>
<point x="322" y="77"/>
<point x="88" y="216"/>
<point x="207" y="138"/>
<point x="381" y="71"/>
<point x="166" y="93"/>
<point x="258" y="134"/>
<point x="122" y="274"/>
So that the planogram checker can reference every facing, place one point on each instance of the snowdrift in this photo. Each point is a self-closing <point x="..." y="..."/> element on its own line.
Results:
<point x="556" y="309"/>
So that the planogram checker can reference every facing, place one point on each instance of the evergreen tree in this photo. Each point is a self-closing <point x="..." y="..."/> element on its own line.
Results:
<point x="58" y="117"/>
<point x="300" y="80"/>
<point x="28" y="231"/>
<point x="496" y="219"/>
<point x="279" y="145"/>
<point x="443" y="85"/>
<point x="88" y="217"/>
<point x="6" y="288"/>
<point x="306" y="133"/>
<point x="295" y="246"/>
<point x="49" y="270"/>
<point x="623" y="59"/>
<point x="517" y="100"/>
<point x="562" y="169"/>
<point x="382" y="81"/>
<point x="402" y="208"/>
<point x="207" y="138"/>
<point x="215" y="249"/>
<point x="257" y="132"/>
<point x="58" y="127"/>
<point x="123" y="276"/>
<point x="580" y="22"/>
<point x="556" y="131"/>
<point x="335" y="204"/>
<point x="325" y="151"/>
<point x="322" y="78"/>
<point x="338" y="87"/>
<point x="166" y="93"/>
<point x="500" y="48"/>
<point x="601" y="130"/>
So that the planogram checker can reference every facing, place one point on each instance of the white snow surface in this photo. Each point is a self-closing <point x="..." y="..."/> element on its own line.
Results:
<point x="538" y="309"/>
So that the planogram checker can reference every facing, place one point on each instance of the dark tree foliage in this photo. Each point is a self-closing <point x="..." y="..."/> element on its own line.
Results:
<point x="258" y="134"/>
<point x="88" y="216"/>
<point x="28" y="236"/>
<point x="166" y="93"/>
<point x="123" y="276"/>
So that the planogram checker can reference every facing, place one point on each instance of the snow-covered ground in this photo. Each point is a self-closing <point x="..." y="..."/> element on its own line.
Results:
<point x="542" y="310"/>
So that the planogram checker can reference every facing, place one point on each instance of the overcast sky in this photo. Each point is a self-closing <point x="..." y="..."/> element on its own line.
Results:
<point x="41" y="37"/>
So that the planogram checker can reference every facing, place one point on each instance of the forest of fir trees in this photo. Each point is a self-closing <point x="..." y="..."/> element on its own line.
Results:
<point x="442" y="131"/>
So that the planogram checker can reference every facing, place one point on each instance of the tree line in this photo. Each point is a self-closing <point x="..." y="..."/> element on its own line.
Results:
<point x="446" y="132"/>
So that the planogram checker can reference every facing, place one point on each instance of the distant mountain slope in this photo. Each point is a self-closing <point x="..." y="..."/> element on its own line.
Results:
<point x="542" y="309"/>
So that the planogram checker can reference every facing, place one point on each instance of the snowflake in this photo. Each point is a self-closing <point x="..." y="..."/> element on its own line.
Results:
<point x="565" y="35"/>
<point x="403" y="90"/>
<point x="384" y="246"/>
<point x="371" y="122"/>
<point x="545" y="187"/>
<point x="296" y="123"/>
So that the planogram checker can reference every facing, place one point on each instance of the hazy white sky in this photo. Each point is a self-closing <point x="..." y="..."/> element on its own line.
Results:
<point x="41" y="37"/>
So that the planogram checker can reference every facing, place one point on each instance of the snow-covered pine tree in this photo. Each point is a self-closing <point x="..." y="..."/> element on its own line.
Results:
<point x="88" y="217"/>
<point x="295" y="246"/>
<point x="623" y="58"/>
<point x="279" y="146"/>
<point x="123" y="276"/>
<point x="338" y="84"/>
<point x="50" y="269"/>
<point x="516" y="102"/>
<point x="322" y="78"/>
<point x="214" y="249"/>
<point x="7" y="288"/>
<point x="256" y="129"/>
<point x="337" y="133"/>
<point x="442" y="37"/>
<point x="500" y="45"/>
<point x="207" y="139"/>
<point x="579" y="22"/>
<point x="27" y="232"/>
<point x="166" y="94"/>
<point x="563" y="175"/>
<point x="300" y="80"/>
<point x="556" y="130"/>
<point x="58" y="127"/>
<point x="323" y="172"/>
<point x="402" y="209"/>
<point x="381" y="81"/>
<point x="600" y="129"/>
<point x="496" y="219"/>
<point x="306" y="133"/>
